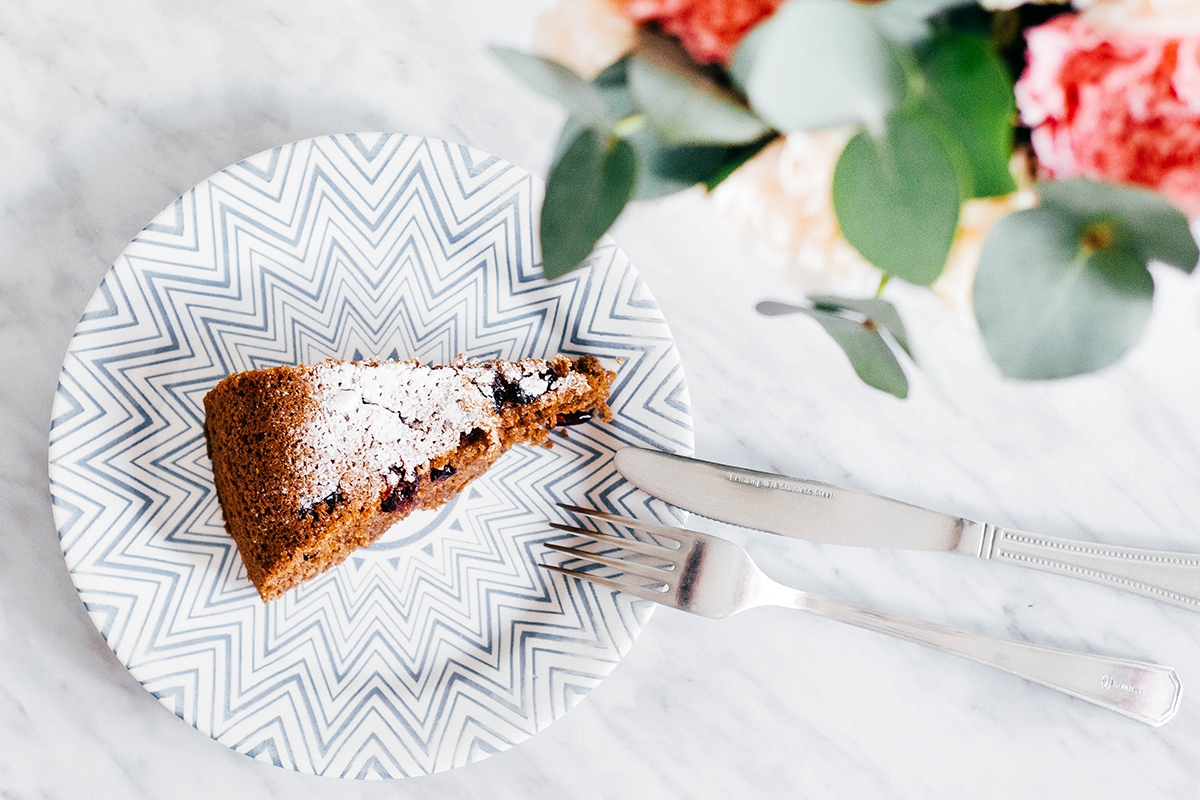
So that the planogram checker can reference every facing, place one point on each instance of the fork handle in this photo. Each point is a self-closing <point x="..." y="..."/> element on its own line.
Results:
<point x="1146" y="692"/>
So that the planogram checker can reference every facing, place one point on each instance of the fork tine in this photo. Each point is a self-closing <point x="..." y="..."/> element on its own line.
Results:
<point x="641" y="570"/>
<point x="675" y="534"/>
<point x="629" y="588"/>
<point x="632" y="545"/>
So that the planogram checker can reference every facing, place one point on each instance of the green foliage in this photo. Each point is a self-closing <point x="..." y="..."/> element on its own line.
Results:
<point x="967" y="87"/>
<point x="897" y="194"/>
<point x="872" y="359"/>
<point x="819" y="64"/>
<point x="897" y="197"/>
<point x="1143" y="222"/>
<point x="588" y="186"/>
<point x="665" y="169"/>
<point x="881" y="314"/>
<point x="857" y="326"/>
<point x="1063" y="289"/>
<point x="734" y="157"/>
<point x="606" y="154"/>
<point x="684" y="104"/>
<point x="613" y="85"/>
<point x="941" y="134"/>
<point x="584" y="100"/>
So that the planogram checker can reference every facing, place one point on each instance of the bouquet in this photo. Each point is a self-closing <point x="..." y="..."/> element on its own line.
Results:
<point x="1026" y="161"/>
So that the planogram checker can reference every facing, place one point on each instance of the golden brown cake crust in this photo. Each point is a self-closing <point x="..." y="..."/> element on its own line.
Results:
<point x="301" y="487"/>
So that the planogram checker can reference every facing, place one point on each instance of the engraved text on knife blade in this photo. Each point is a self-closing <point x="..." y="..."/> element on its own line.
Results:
<point x="787" y="487"/>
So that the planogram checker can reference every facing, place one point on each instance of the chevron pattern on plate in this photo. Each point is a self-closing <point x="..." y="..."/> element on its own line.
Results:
<point x="444" y="642"/>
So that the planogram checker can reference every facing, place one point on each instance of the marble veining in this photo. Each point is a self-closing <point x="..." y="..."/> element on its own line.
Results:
<point x="115" y="107"/>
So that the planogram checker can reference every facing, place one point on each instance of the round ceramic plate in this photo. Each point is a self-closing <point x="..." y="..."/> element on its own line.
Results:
<point x="444" y="642"/>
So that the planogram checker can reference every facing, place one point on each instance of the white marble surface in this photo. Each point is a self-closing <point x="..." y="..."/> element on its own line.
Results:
<point x="112" y="108"/>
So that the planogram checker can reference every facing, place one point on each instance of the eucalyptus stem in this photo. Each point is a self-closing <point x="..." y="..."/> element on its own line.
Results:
<point x="629" y="125"/>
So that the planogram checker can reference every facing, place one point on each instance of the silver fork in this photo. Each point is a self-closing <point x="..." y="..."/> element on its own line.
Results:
<point x="713" y="577"/>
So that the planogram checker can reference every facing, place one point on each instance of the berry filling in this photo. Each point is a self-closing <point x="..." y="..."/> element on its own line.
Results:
<point x="330" y="501"/>
<point x="522" y="392"/>
<point x="441" y="473"/>
<point x="400" y="498"/>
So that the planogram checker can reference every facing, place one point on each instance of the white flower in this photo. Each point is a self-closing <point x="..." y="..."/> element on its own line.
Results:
<point x="1174" y="18"/>
<point x="585" y="35"/>
<point x="780" y="202"/>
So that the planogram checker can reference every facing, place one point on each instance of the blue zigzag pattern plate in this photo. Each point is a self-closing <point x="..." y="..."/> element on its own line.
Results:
<point x="442" y="643"/>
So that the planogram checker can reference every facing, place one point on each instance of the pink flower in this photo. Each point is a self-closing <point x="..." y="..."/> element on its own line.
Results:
<point x="709" y="29"/>
<point x="1115" y="106"/>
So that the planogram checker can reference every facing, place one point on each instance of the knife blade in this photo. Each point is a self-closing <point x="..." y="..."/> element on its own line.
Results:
<point x="821" y="512"/>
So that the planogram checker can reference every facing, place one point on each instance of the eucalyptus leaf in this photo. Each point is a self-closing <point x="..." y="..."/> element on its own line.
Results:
<point x="774" y="308"/>
<point x="584" y="100"/>
<point x="968" y="88"/>
<point x="733" y="158"/>
<point x="615" y="74"/>
<point x="613" y="90"/>
<point x="683" y="102"/>
<point x="1142" y="221"/>
<point x="570" y="131"/>
<point x="613" y="86"/>
<point x="897" y="197"/>
<point x="1049" y="307"/>
<point x="874" y="309"/>
<point x="665" y="169"/>
<point x="860" y="340"/>
<point x="588" y="186"/>
<point x="869" y="354"/>
<point x="818" y="64"/>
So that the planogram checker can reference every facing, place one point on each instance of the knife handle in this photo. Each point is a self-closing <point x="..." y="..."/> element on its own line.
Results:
<point x="1146" y="692"/>
<point x="1161" y="575"/>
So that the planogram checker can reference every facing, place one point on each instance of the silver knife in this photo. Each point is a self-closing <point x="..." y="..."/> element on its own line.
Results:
<point x="820" y="512"/>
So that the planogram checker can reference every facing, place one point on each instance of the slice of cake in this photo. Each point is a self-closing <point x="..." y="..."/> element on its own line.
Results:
<point x="312" y="462"/>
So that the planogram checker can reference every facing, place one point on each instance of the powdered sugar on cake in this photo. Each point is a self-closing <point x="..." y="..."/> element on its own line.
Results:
<point x="532" y="376"/>
<point x="393" y="418"/>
